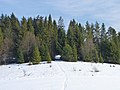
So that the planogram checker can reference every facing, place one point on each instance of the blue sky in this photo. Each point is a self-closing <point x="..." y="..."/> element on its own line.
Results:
<point x="107" y="11"/>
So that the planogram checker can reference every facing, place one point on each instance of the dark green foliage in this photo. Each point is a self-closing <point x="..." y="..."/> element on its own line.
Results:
<point x="45" y="55"/>
<point x="89" y="51"/>
<point x="103" y="32"/>
<point x="61" y="39"/>
<point x="24" y="26"/>
<point x="20" y="56"/>
<point x="24" y="39"/>
<point x="101" y="59"/>
<point x="48" y="57"/>
<point x="75" y="56"/>
<point x="1" y="38"/>
<point x="67" y="53"/>
<point x="36" y="58"/>
<point x="30" y="25"/>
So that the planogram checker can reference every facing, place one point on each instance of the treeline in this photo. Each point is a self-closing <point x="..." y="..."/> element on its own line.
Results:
<point x="41" y="38"/>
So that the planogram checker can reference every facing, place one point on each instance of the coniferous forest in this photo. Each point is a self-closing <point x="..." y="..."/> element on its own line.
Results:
<point x="41" y="38"/>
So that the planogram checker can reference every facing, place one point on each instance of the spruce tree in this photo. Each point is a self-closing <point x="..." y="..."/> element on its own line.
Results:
<point x="70" y="34"/>
<point x="103" y="32"/>
<point x="89" y="51"/>
<point x="114" y="53"/>
<point x="67" y="53"/>
<point x="43" y="52"/>
<point x="20" y="56"/>
<point x="36" y="58"/>
<point x="16" y="33"/>
<point x="54" y="39"/>
<point x="30" y="25"/>
<point x="48" y="57"/>
<point x="75" y="56"/>
<point x="61" y="36"/>
<point x="8" y="28"/>
<point x="1" y="37"/>
<point x="101" y="59"/>
<point x="45" y="55"/>
<point x="24" y="26"/>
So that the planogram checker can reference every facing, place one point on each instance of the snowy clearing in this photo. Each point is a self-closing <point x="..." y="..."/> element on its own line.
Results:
<point x="60" y="76"/>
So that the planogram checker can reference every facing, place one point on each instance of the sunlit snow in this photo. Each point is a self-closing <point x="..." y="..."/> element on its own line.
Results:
<point x="60" y="76"/>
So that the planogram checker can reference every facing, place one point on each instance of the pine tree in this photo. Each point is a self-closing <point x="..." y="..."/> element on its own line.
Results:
<point x="45" y="55"/>
<point x="7" y="27"/>
<point x="51" y="32"/>
<point x="48" y="57"/>
<point x="16" y="33"/>
<point x="89" y="51"/>
<point x="43" y="52"/>
<point x="114" y="53"/>
<point x="30" y="25"/>
<point x="75" y="56"/>
<point x="118" y="47"/>
<point x="1" y="38"/>
<point x="6" y="40"/>
<point x="103" y="32"/>
<point x="20" y="56"/>
<point x="24" y="26"/>
<point x="81" y="37"/>
<point x="67" y="53"/>
<point x="101" y="59"/>
<point x="36" y="58"/>
<point x="54" y="39"/>
<point x="40" y="32"/>
<point x="61" y="36"/>
<point x="70" y="34"/>
<point x="1" y="44"/>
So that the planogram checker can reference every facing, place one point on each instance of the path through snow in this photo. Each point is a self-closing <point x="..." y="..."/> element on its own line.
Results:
<point x="65" y="75"/>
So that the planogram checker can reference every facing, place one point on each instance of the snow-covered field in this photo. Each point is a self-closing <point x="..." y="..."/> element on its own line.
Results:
<point x="60" y="76"/>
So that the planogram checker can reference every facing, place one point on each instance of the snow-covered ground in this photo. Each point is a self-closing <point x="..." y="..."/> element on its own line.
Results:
<point x="60" y="76"/>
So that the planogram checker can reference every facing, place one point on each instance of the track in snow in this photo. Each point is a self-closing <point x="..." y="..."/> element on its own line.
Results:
<point x="66" y="78"/>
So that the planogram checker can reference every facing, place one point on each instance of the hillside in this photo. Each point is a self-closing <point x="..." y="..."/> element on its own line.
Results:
<point x="60" y="76"/>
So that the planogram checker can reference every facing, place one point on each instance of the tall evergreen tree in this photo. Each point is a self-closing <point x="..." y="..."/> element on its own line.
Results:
<point x="45" y="55"/>
<point x="61" y="36"/>
<point x="113" y="52"/>
<point x="67" y="53"/>
<point x="30" y="25"/>
<point x="54" y="39"/>
<point x="1" y="37"/>
<point x="70" y="34"/>
<point x="103" y="32"/>
<point x="24" y="26"/>
<point x="16" y="33"/>
<point x="88" y="50"/>
<point x="75" y="56"/>
<point x="20" y="56"/>
<point x="36" y="58"/>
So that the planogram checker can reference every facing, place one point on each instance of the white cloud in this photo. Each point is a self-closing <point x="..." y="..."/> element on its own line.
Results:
<point x="106" y="10"/>
<point x="82" y="10"/>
